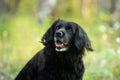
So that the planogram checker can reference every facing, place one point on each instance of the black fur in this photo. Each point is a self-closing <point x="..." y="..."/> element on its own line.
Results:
<point x="49" y="64"/>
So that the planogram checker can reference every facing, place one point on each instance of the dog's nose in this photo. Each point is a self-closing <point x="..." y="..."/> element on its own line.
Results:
<point x="59" y="34"/>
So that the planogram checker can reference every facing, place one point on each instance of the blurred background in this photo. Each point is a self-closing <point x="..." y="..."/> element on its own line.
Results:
<point x="23" y="22"/>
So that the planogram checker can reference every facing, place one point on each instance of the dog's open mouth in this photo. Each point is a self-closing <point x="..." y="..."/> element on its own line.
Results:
<point x="59" y="43"/>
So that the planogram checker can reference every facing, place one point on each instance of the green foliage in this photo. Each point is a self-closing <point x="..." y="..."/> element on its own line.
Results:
<point x="102" y="66"/>
<point x="19" y="40"/>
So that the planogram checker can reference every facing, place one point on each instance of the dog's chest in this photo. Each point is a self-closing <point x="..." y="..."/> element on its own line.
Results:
<point x="56" y="69"/>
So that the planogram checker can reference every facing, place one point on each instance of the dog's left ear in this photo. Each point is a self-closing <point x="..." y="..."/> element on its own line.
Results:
<point x="82" y="40"/>
<point x="49" y="34"/>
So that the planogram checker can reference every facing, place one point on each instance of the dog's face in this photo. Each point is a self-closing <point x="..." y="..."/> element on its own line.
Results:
<point x="64" y="34"/>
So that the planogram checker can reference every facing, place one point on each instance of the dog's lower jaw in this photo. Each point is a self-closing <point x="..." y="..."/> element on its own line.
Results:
<point x="61" y="49"/>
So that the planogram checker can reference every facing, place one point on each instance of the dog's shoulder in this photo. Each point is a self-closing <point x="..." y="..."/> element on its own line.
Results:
<point x="39" y="59"/>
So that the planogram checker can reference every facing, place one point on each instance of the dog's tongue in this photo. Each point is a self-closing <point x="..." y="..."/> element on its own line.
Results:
<point x="59" y="44"/>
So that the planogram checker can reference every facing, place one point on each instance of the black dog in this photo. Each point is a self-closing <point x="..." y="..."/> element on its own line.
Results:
<point x="61" y="59"/>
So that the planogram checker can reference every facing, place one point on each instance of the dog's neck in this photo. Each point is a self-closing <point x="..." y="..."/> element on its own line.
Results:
<point x="71" y="55"/>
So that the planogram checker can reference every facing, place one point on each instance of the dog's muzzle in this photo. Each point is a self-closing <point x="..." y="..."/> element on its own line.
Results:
<point x="60" y="43"/>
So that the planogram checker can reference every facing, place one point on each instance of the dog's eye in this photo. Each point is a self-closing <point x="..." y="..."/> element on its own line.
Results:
<point x="58" y="27"/>
<point x="69" y="29"/>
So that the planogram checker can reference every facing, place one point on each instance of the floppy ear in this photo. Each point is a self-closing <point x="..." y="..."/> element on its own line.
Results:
<point x="82" y="40"/>
<point x="49" y="34"/>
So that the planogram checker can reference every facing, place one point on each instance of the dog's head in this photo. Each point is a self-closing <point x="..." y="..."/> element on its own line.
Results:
<point x="64" y="34"/>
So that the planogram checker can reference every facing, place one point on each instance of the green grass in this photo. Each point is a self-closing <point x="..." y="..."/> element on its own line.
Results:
<point x="20" y="39"/>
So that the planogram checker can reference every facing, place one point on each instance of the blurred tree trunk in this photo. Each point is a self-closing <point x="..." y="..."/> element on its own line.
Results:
<point x="13" y="5"/>
<point x="85" y="11"/>
<point x="3" y="7"/>
<point x="88" y="8"/>
<point x="115" y="11"/>
<point x="104" y="5"/>
<point x="45" y="8"/>
<point x="9" y="6"/>
<point x="113" y="7"/>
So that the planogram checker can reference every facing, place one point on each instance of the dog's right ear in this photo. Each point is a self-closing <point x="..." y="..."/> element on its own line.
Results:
<point x="49" y="34"/>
